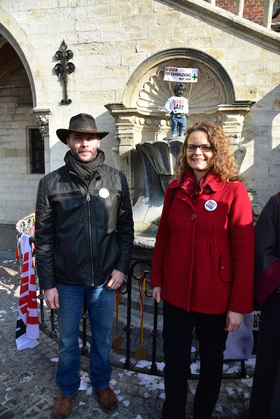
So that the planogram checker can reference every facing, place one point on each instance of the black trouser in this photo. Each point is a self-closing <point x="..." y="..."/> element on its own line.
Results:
<point x="265" y="398"/>
<point x="177" y="334"/>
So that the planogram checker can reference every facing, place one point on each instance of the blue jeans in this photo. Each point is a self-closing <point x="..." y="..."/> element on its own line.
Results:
<point x="178" y="122"/>
<point x="100" y="305"/>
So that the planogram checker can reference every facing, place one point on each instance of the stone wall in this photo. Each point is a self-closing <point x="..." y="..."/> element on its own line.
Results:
<point x="17" y="185"/>
<point x="111" y="40"/>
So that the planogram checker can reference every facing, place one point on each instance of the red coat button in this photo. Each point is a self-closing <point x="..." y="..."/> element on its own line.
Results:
<point x="192" y="217"/>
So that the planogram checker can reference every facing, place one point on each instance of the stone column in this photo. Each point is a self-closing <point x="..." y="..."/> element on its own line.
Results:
<point x="124" y="119"/>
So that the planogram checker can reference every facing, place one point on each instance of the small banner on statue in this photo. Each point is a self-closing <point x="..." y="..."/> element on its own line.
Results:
<point x="183" y="75"/>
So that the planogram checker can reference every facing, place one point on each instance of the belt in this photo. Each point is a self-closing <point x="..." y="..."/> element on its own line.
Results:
<point x="179" y="114"/>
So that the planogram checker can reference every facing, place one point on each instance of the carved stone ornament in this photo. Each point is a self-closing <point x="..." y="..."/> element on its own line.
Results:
<point x="43" y="122"/>
<point x="204" y="95"/>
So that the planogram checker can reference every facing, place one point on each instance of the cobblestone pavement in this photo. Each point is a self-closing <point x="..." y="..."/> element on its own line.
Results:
<point x="27" y="377"/>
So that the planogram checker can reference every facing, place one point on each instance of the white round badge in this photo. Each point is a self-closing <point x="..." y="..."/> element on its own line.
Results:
<point x="104" y="193"/>
<point x="210" y="205"/>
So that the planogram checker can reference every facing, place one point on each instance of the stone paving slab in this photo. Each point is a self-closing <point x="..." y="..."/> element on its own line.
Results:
<point x="27" y="377"/>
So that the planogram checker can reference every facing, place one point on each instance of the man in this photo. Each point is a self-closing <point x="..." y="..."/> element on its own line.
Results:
<point x="178" y="108"/>
<point x="84" y="237"/>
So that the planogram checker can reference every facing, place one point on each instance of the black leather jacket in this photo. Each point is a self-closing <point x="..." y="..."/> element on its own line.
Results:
<point x="82" y="232"/>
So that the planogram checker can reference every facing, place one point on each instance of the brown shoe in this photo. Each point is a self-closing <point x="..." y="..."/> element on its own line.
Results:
<point x="62" y="408"/>
<point x="107" y="400"/>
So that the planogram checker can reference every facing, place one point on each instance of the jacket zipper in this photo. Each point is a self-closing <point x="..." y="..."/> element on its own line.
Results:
<point x="90" y="236"/>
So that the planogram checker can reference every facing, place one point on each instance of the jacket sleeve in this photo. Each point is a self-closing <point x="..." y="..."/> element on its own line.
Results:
<point x="169" y="105"/>
<point x="267" y="255"/>
<point x="242" y="245"/>
<point x="44" y="238"/>
<point x="162" y="240"/>
<point x="125" y="228"/>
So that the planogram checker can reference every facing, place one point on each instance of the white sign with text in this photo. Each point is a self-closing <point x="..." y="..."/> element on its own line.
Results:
<point x="183" y="75"/>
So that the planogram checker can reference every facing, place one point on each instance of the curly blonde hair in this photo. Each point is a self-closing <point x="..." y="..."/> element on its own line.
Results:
<point x="224" y="160"/>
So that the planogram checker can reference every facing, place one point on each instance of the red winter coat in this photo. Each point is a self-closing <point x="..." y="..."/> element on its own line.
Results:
<point x="204" y="258"/>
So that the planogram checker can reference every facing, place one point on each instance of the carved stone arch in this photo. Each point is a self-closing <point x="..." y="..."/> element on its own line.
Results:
<point x="141" y="117"/>
<point x="149" y="75"/>
<point x="15" y="35"/>
<point x="12" y="33"/>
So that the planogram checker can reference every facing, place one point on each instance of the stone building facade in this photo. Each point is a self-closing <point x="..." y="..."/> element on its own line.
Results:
<point x="120" y="50"/>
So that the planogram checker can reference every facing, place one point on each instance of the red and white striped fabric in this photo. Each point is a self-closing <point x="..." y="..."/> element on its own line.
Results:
<point x="27" y="330"/>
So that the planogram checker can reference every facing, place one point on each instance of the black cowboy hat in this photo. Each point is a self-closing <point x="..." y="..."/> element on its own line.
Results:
<point x="83" y="123"/>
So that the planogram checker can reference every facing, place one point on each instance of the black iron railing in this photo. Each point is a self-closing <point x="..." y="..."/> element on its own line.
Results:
<point x="139" y="272"/>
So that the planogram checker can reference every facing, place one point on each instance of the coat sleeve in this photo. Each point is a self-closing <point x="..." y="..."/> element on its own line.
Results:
<point x="162" y="240"/>
<point x="242" y="247"/>
<point x="267" y="255"/>
<point x="44" y="238"/>
<point x="125" y="228"/>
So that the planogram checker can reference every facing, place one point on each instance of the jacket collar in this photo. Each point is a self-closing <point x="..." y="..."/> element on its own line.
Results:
<point x="213" y="181"/>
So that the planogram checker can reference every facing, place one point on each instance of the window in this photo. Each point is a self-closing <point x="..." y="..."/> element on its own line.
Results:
<point x="36" y="144"/>
<point x="276" y="9"/>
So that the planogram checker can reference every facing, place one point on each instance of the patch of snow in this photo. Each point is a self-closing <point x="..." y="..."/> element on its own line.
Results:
<point x="129" y="373"/>
<point x="150" y="382"/>
<point x="143" y="364"/>
<point x="219" y="409"/>
<point x="84" y="385"/>
<point x="194" y="367"/>
<point x="248" y="381"/>
<point x="89" y="390"/>
<point x="229" y="390"/>
<point x="251" y="362"/>
<point x="233" y="369"/>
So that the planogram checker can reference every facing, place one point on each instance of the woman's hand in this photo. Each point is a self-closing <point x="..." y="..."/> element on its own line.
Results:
<point x="233" y="321"/>
<point x="157" y="294"/>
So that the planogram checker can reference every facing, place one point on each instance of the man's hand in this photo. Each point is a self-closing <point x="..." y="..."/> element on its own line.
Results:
<point x="116" y="280"/>
<point x="233" y="321"/>
<point x="51" y="297"/>
<point x="157" y="294"/>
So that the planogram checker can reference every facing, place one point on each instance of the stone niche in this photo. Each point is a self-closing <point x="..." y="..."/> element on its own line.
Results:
<point x="141" y="122"/>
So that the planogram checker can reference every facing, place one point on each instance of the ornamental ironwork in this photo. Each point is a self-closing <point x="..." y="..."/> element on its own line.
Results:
<point x="63" y="68"/>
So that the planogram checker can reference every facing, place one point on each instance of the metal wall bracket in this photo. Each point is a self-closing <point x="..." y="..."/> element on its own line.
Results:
<point x="64" y="68"/>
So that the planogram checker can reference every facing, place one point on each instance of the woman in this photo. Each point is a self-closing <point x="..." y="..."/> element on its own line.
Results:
<point x="265" y="400"/>
<point x="202" y="265"/>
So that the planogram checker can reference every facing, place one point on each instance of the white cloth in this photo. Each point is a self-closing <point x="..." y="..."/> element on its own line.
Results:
<point x="177" y="104"/>
<point x="27" y="330"/>
<point x="239" y="344"/>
